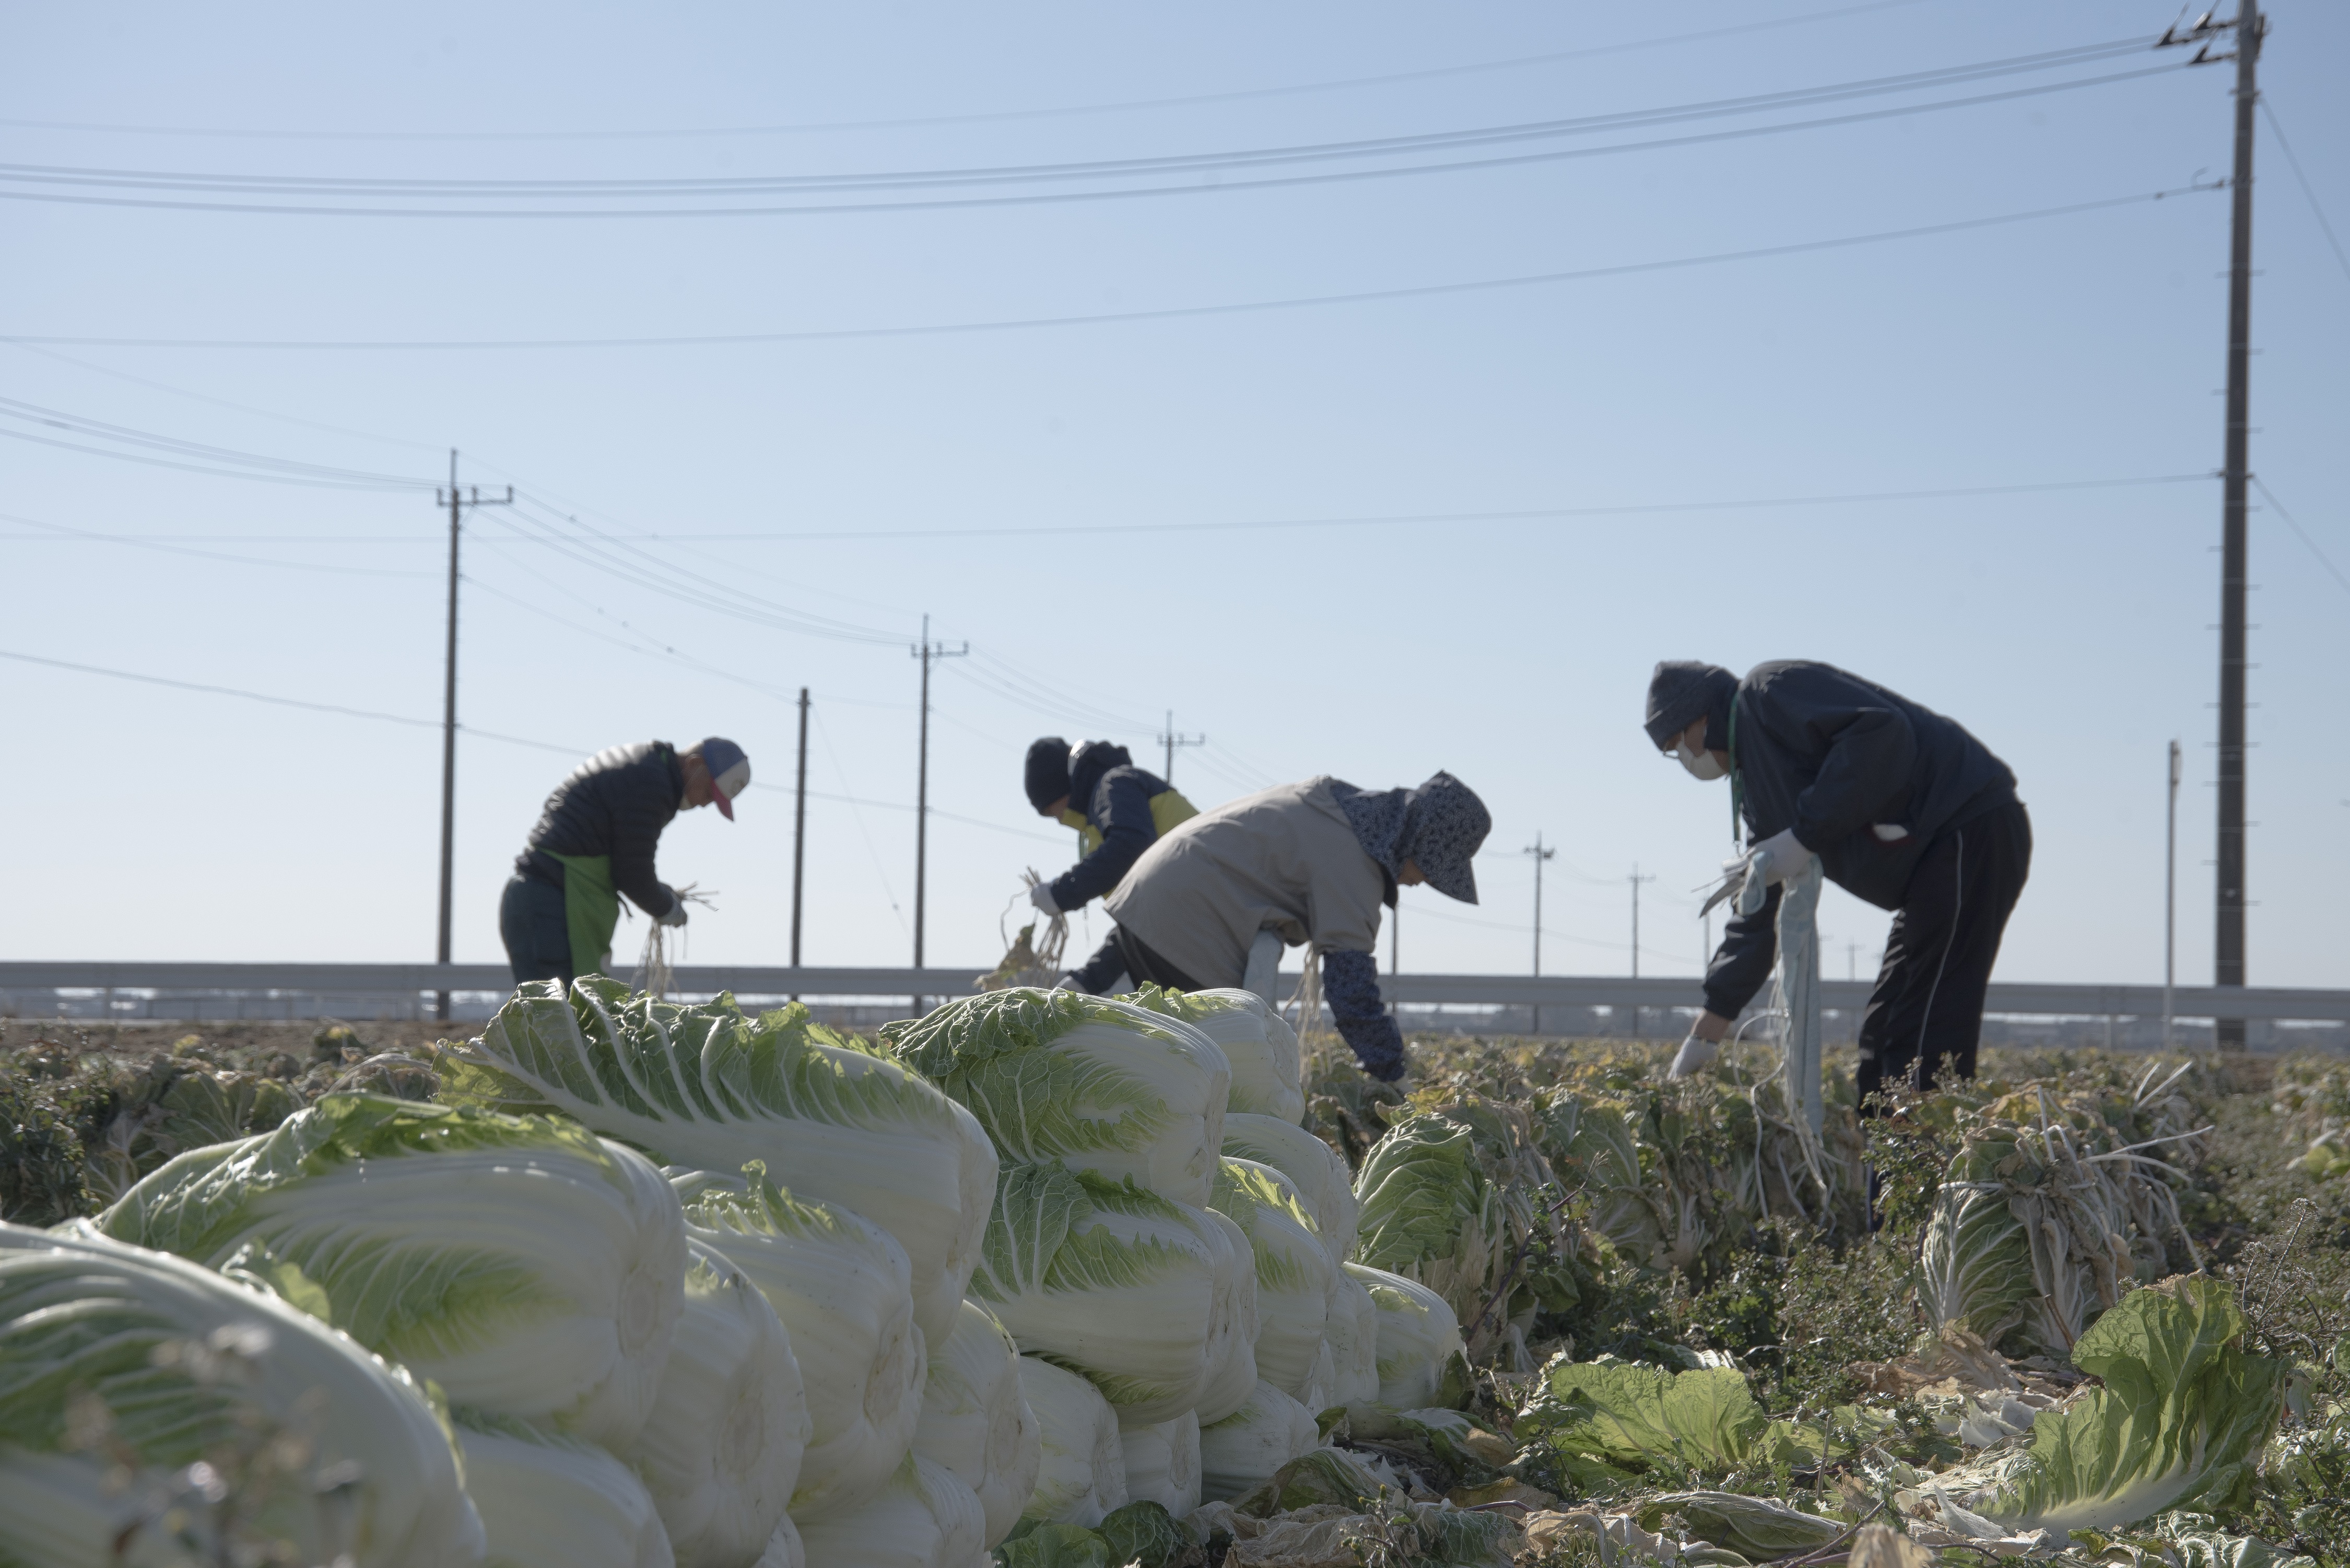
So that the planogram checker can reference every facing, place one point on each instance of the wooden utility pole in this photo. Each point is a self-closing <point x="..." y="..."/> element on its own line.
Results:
<point x="799" y="830"/>
<point x="1539" y="855"/>
<point x="2228" y="945"/>
<point x="926" y="652"/>
<point x="457" y="503"/>
<point x="1172" y="741"/>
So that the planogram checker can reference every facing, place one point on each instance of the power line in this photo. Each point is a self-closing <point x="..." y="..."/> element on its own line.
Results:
<point x="1098" y="318"/>
<point x="65" y="531"/>
<point x="2306" y="188"/>
<point x="910" y="122"/>
<point x="2301" y="532"/>
<point x="250" y="465"/>
<point x="971" y="178"/>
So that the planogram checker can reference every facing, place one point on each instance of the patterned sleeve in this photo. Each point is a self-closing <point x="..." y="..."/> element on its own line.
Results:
<point x="1350" y="983"/>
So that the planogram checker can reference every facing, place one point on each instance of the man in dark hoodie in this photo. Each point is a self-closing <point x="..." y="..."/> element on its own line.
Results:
<point x="1904" y="808"/>
<point x="595" y="841"/>
<point x="1118" y="811"/>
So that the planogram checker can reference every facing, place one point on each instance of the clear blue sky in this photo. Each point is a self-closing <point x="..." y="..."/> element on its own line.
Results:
<point x="2070" y="630"/>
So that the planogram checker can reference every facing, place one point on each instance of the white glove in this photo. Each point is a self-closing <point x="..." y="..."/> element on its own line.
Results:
<point x="1782" y="857"/>
<point x="1694" y="1056"/>
<point x="676" y="915"/>
<point x="1041" y="894"/>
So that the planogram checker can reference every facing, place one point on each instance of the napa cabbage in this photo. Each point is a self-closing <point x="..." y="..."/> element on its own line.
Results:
<point x="1256" y="1040"/>
<point x="923" y="1518"/>
<point x="1096" y="1083"/>
<point x="1294" y="1277"/>
<point x="975" y="1421"/>
<point x="1232" y="1339"/>
<point x="840" y="1286"/>
<point x="1109" y="1280"/>
<point x="721" y="1453"/>
<point x="1245" y="1447"/>
<point x="709" y="1087"/>
<point x="112" y="1354"/>
<point x="551" y="1500"/>
<point x="1353" y="1343"/>
<point x="524" y="1265"/>
<point x="1420" y="1361"/>
<point x="1320" y="1176"/>
<point x="1082" y="1476"/>
<point x="1162" y="1463"/>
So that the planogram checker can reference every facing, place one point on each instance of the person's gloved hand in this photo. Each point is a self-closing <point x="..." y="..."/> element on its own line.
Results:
<point x="1041" y="894"/>
<point x="1782" y="856"/>
<point x="676" y="915"/>
<point x="1387" y="1066"/>
<point x="1695" y="1056"/>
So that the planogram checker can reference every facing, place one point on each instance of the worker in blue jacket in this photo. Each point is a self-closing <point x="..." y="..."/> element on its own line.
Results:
<point x="1904" y="808"/>
<point x="1118" y="811"/>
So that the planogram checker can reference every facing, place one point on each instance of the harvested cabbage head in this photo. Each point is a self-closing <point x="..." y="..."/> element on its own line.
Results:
<point x="1248" y="1445"/>
<point x="1163" y="1464"/>
<point x="784" y="1549"/>
<point x="1320" y="1176"/>
<point x="708" y="1087"/>
<point x="1293" y="1273"/>
<point x="923" y="1518"/>
<point x="1353" y="1343"/>
<point x="1420" y="1361"/>
<point x="1096" y="1083"/>
<point x="1109" y="1279"/>
<point x="180" y="1365"/>
<point x="975" y="1420"/>
<point x="1257" y="1042"/>
<point x="526" y="1266"/>
<point x="722" y="1452"/>
<point x="1231" y="1342"/>
<point x="549" y="1500"/>
<point x="839" y="1285"/>
<point x="1083" y="1475"/>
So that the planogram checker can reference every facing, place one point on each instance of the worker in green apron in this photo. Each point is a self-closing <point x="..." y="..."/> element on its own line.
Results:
<point x="595" y="841"/>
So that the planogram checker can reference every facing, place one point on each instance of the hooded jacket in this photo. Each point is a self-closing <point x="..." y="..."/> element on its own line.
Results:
<point x="1122" y="809"/>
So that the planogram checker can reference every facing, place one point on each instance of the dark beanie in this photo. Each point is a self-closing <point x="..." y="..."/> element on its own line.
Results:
<point x="1684" y="690"/>
<point x="1047" y="776"/>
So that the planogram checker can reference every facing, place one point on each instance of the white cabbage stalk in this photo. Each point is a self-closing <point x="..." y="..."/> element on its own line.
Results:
<point x="722" y="1452"/>
<point x="1418" y="1336"/>
<point x="924" y="1517"/>
<point x="550" y="1500"/>
<point x="1353" y="1343"/>
<point x="1083" y="1476"/>
<point x="1231" y="1343"/>
<point x="85" y="1316"/>
<point x="1163" y="1464"/>
<point x="784" y="1549"/>
<point x="1095" y="1082"/>
<point x="1246" y="1447"/>
<point x="976" y="1422"/>
<point x="1319" y="1174"/>
<point x="1107" y="1278"/>
<point x="524" y="1265"/>
<point x="839" y="1285"/>
<point x="1294" y="1277"/>
<point x="1321" y="1383"/>
<point x="708" y="1087"/>
<point x="1256" y="1040"/>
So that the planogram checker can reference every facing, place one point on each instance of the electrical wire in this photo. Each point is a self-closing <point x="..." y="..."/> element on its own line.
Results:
<point x="64" y="533"/>
<point x="2306" y="188"/>
<point x="251" y="465"/>
<point x="2302" y="533"/>
<point x="909" y="122"/>
<point x="47" y="353"/>
<point x="974" y="178"/>
<point x="824" y="734"/>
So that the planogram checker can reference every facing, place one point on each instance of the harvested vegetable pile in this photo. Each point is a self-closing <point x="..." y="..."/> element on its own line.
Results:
<point x="1045" y="1280"/>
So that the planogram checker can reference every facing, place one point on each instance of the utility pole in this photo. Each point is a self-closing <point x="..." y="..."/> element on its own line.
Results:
<point x="927" y="653"/>
<point x="2170" y="900"/>
<point x="799" y="832"/>
<point x="2228" y="948"/>
<point x="1636" y="879"/>
<point x="1540" y="855"/>
<point x="1172" y="741"/>
<point x="456" y="503"/>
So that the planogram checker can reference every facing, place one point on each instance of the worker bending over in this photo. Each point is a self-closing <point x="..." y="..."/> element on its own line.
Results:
<point x="1118" y="811"/>
<point x="1904" y="808"/>
<point x="1317" y="863"/>
<point x="595" y="841"/>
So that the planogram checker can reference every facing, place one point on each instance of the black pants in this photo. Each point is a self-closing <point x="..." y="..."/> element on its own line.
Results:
<point x="1099" y="972"/>
<point x="1925" y="1014"/>
<point x="536" y="931"/>
<point x="1145" y="966"/>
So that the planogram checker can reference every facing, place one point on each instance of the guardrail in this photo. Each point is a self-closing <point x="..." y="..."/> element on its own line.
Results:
<point x="2269" y="1003"/>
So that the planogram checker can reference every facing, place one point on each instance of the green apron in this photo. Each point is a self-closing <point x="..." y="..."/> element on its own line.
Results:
<point x="591" y="908"/>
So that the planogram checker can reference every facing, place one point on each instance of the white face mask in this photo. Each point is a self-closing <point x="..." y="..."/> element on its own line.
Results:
<point x="1700" y="764"/>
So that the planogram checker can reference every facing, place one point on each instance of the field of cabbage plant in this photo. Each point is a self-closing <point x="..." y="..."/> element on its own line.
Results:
<point x="1046" y="1281"/>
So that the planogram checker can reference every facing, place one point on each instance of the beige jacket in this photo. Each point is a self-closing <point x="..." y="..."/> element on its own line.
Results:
<point x="1284" y="858"/>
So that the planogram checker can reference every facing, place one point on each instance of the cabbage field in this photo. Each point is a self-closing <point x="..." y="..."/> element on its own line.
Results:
<point x="1048" y="1281"/>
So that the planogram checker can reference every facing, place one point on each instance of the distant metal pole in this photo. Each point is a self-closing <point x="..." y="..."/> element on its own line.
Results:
<point x="927" y="653"/>
<point x="457" y="504"/>
<point x="1174" y="742"/>
<point x="2170" y="900"/>
<point x="1540" y="855"/>
<point x="1637" y="880"/>
<point x="800" y="831"/>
